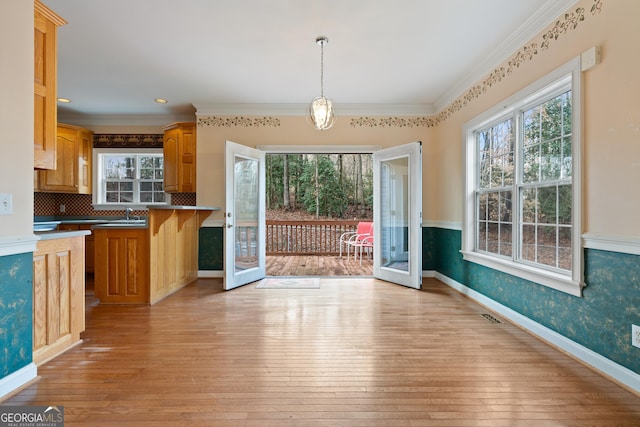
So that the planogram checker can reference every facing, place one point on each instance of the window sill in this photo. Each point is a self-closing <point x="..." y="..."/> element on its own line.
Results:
<point x="546" y="278"/>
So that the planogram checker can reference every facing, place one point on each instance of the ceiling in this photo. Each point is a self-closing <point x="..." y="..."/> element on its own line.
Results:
<point x="260" y="57"/>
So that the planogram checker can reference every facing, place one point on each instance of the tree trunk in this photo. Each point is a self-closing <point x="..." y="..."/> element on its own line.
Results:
<point x="359" y="185"/>
<point x="285" y="183"/>
<point x="317" y="191"/>
<point x="268" y="178"/>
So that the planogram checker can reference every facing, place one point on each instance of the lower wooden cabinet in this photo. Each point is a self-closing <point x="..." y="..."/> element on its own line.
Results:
<point x="122" y="267"/>
<point x="58" y="296"/>
<point x="89" y="244"/>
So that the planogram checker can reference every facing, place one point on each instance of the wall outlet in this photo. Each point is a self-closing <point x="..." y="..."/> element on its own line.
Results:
<point x="62" y="208"/>
<point x="6" y="204"/>
<point x="635" y="336"/>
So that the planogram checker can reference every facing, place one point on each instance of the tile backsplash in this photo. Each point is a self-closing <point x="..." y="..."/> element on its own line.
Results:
<point x="48" y="204"/>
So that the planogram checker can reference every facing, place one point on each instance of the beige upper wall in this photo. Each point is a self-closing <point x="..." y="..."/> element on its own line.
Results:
<point x="212" y="134"/>
<point x="611" y="135"/>
<point x="16" y="115"/>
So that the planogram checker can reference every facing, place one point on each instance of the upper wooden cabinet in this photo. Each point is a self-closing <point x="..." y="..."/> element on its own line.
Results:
<point x="72" y="173"/>
<point x="180" y="158"/>
<point x="46" y="23"/>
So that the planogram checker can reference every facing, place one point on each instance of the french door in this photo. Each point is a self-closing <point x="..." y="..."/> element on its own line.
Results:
<point x="244" y="255"/>
<point x="397" y="214"/>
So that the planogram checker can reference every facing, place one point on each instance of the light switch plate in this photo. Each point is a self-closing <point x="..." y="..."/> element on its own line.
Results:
<point x="6" y="204"/>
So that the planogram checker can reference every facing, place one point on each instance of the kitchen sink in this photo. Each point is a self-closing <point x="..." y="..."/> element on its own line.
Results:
<point x="45" y="225"/>
<point x="128" y="221"/>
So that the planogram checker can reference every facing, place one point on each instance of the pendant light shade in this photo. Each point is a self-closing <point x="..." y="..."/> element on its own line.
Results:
<point x="321" y="108"/>
<point x="321" y="113"/>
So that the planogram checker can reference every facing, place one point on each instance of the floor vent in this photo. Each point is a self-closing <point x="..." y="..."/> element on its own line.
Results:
<point x="491" y="319"/>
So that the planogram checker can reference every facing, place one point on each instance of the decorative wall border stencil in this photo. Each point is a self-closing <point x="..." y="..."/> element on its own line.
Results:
<point x="238" y="121"/>
<point x="127" y="141"/>
<point x="566" y="23"/>
<point x="401" y="122"/>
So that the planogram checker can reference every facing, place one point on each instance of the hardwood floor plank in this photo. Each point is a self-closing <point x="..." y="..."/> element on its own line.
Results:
<point x="356" y="352"/>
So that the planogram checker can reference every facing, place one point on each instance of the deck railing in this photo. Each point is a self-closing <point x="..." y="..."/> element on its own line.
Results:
<point x="306" y="237"/>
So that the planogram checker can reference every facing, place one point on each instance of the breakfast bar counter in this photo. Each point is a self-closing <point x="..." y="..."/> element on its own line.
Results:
<point x="143" y="263"/>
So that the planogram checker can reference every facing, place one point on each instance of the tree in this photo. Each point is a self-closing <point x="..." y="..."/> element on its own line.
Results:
<point x="285" y="183"/>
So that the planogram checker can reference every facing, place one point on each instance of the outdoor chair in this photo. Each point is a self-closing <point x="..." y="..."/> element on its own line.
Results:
<point x="354" y="238"/>
<point x="366" y="244"/>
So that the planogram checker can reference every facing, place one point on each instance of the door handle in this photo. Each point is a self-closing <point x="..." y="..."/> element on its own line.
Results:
<point x="229" y="225"/>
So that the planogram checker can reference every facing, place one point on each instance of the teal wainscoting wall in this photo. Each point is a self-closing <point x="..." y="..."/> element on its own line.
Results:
<point x="16" y="305"/>
<point x="210" y="249"/>
<point x="600" y="320"/>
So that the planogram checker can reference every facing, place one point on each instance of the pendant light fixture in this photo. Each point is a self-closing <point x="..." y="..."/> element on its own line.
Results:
<point x="321" y="108"/>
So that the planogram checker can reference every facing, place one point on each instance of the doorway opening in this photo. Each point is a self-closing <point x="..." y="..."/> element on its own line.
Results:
<point x="312" y="200"/>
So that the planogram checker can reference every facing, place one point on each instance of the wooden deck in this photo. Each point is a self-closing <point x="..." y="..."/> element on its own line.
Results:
<point x="317" y="265"/>
<point x="354" y="352"/>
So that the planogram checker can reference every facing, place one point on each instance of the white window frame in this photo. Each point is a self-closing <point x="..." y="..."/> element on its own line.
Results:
<point x="572" y="283"/>
<point x="98" y="174"/>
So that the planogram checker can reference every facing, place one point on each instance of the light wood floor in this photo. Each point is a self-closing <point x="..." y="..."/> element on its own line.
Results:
<point x="318" y="265"/>
<point x="356" y="352"/>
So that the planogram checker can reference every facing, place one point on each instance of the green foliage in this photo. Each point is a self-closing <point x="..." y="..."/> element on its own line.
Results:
<point x="322" y="192"/>
<point x="343" y="180"/>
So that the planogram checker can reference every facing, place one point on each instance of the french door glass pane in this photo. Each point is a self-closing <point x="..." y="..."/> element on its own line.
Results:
<point x="394" y="205"/>
<point x="246" y="210"/>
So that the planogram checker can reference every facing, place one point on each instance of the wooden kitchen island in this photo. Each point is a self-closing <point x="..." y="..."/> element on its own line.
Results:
<point x="143" y="263"/>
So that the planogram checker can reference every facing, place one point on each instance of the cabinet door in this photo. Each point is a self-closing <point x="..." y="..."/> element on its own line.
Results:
<point x="122" y="266"/>
<point x="85" y="149"/>
<point x="187" y="167"/>
<point x="45" y="107"/>
<point x="64" y="178"/>
<point x="58" y="296"/>
<point x="170" y="154"/>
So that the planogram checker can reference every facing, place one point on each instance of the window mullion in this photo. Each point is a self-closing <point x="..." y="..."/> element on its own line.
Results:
<point x="517" y="184"/>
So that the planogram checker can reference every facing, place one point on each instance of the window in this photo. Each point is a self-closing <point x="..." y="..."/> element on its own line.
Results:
<point x="523" y="181"/>
<point x="128" y="178"/>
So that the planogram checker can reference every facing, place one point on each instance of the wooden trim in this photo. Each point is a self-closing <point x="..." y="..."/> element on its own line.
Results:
<point x="48" y="13"/>
<point x="603" y="242"/>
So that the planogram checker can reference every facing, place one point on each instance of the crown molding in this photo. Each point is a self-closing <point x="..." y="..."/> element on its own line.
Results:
<point x="301" y="109"/>
<point x="86" y="120"/>
<point x="543" y="17"/>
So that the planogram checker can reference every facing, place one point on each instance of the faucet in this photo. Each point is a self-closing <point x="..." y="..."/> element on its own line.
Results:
<point x="128" y="212"/>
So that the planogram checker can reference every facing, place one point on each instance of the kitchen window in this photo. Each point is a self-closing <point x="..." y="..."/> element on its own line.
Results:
<point x="522" y="205"/>
<point x="128" y="178"/>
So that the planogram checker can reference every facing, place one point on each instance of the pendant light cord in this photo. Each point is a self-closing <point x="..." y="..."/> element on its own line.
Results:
<point x="322" y="69"/>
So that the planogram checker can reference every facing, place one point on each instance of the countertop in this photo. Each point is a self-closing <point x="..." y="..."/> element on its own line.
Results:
<point x="60" y="234"/>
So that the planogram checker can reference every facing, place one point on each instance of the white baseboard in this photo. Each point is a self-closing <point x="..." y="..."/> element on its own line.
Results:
<point x="208" y="274"/>
<point x="598" y="362"/>
<point x="429" y="273"/>
<point x="18" y="379"/>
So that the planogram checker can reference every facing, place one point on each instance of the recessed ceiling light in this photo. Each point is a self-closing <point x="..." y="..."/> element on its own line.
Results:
<point x="64" y="100"/>
<point x="161" y="101"/>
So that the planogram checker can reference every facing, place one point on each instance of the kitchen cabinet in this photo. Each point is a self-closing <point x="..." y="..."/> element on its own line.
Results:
<point x="72" y="173"/>
<point x="89" y="244"/>
<point x="179" y="146"/>
<point x="122" y="270"/>
<point x="58" y="296"/>
<point x="140" y="264"/>
<point x="46" y="23"/>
